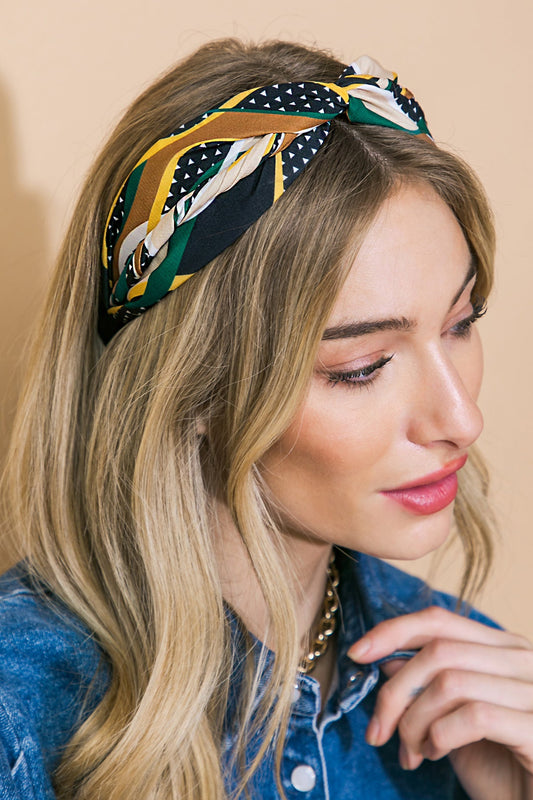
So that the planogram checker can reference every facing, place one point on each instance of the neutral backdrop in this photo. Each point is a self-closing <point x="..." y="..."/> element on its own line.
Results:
<point x="69" y="67"/>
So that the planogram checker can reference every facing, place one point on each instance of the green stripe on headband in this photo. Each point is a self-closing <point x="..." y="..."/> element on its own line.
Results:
<point x="193" y="193"/>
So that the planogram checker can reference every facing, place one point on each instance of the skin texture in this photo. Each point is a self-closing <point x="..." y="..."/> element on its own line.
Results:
<point x="469" y="691"/>
<point x="351" y="440"/>
<point x="467" y="694"/>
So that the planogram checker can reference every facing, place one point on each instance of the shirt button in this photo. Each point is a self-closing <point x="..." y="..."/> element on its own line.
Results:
<point x="303" y="778"/>
<point x="296" y="693"/>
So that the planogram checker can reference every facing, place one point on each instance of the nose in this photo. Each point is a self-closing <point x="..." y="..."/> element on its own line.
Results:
<point x="444" y="407"/>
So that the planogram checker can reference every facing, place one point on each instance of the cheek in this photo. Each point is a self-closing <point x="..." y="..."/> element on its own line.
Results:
<point x="470" y="365"/>
<point x="324" y="471"/>
<point x="334" y="438"/>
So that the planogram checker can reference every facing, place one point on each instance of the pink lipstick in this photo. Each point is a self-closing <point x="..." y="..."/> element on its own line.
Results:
<point x="430" y="493"/>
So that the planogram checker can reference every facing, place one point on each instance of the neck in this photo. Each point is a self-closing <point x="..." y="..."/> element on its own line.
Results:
<point x="241" y="588"/>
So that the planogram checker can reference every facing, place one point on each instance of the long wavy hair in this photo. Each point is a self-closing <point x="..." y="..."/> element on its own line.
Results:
<point x="110" y="480"/>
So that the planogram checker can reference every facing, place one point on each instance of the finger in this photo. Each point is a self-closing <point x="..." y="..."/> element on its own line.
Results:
<point x="398" y="693"/>
<point x="475" y="721"/>
<point x="390" y="668"/>
<point x="413" y="631"/>
<point x="449" y="691"/>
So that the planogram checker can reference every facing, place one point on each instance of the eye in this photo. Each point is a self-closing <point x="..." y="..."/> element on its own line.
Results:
<point x="359" y="377"/>
<point x="462" y="329"/>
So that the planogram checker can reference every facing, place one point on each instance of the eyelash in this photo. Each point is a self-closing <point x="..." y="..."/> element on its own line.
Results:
<point x="369" y="373"/>
<point x="462" y="329"/>
<point x="365" y="376"/>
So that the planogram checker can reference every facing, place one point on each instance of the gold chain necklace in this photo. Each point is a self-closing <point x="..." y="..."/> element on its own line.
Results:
<point x="328" y="620"/>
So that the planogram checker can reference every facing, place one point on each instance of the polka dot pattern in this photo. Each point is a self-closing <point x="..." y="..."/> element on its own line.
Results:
<point x="195" y="191"/>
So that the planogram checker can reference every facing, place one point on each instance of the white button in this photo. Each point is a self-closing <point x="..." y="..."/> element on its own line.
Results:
<point x="303" y="778"/>
<point x="296" y="693"/>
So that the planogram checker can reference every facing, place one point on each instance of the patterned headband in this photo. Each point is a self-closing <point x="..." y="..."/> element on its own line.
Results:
<point x="194" y="192"/>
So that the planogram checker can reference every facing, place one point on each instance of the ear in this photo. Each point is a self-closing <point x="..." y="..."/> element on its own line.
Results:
<point x="201" y="429"/>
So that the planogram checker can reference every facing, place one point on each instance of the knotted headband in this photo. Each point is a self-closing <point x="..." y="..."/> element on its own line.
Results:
<point x="196" y="191"/>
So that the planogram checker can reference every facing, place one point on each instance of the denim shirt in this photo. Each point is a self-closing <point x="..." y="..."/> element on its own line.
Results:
<point x="48" y="661"/>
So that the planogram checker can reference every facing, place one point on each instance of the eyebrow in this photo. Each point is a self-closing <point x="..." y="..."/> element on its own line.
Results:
<point x="351" y="330"/>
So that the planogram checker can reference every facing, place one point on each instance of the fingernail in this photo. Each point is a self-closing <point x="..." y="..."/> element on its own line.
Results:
<point x="409" y="760"/>
<point x="403" y="757"/>
<point x="359" y="649"/>
<point x="415" y="759"/>
<point x="428" y="751"/>
<point x="372" y="732"/>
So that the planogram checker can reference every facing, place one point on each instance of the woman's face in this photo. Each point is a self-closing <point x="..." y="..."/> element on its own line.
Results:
<point x="388" y="404"/>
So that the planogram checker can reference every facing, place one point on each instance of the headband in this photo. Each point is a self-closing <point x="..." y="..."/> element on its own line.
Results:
<point x="194" y="192"/>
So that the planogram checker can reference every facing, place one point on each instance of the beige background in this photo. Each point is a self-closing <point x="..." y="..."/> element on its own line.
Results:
<point x="68" y="68"/>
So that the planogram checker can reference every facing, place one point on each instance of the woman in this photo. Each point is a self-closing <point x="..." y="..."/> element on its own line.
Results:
<point x="203" y="489"/>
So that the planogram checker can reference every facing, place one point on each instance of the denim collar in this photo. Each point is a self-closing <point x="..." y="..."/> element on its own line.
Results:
<point x="369" y="592"/>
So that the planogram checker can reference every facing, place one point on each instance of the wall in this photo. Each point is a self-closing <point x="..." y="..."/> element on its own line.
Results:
<point x="68" y="68"/>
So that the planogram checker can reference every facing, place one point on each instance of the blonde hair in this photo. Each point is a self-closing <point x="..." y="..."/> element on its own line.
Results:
<point x="110" y="485"/>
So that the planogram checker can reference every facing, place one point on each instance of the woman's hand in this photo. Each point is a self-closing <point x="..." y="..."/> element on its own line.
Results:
<point x="467" y="694"/>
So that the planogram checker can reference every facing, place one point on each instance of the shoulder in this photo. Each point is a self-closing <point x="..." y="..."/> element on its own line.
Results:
<point x="387" y="591"/>
<point x="52" y="674"/>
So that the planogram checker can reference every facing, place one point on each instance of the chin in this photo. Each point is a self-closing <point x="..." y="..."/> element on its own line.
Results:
<point x="412" y="538"/>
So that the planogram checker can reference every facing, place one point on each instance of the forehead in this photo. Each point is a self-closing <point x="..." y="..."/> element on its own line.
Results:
<point x="414" y="256"/>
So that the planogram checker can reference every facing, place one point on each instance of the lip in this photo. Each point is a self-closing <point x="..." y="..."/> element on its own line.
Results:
<point x="432" y="492"/>
<point x="433" y="477"/>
